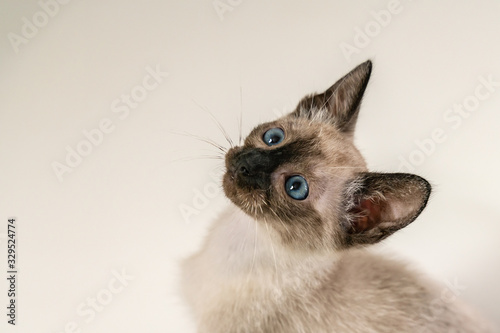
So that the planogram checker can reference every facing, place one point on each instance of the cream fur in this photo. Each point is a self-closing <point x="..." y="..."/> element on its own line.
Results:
<point x="244" y="281"/>
<point x="286" y="266"/>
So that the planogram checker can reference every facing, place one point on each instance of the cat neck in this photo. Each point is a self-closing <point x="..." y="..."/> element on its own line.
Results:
<point x="239" y="245"/>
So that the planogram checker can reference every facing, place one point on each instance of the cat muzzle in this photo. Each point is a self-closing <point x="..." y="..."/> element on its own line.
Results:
<point x="252" y="168"/>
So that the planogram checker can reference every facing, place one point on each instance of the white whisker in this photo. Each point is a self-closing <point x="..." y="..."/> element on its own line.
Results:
<point x="200" y="157"/>
<point x="254" y="254"/>
<point x="203" y="139"/>
<point x="272" y="249"/>
<point x="279" y="219"/>
<point x="219" y="125"/>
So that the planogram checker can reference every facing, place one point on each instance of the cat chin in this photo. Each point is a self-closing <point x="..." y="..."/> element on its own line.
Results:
<point x="250" y="202"/>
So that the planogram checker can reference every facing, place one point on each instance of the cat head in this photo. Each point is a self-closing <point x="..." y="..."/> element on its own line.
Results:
<point x="303" y="176"/>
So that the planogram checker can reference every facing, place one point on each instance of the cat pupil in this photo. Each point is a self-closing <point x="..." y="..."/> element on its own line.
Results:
<point x="297" y="188"/>
<point x="273" y="136"/>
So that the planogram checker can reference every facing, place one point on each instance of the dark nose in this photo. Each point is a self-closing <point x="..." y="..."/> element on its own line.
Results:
<point x="250" y="162"/>
<point x="253" y="168"/>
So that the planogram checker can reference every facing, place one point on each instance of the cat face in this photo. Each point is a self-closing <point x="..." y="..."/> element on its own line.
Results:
<point x="303" y="176"/>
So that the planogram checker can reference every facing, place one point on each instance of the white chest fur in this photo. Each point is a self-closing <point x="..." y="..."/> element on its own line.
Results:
<point x="242" y="273"/>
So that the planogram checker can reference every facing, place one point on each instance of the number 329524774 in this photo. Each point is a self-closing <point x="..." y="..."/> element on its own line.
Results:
<point x="11" y="244"/>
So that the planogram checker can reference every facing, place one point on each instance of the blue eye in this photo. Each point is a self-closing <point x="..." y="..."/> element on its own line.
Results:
<point x="273" y="136"/>
<point x="297" y="188"/>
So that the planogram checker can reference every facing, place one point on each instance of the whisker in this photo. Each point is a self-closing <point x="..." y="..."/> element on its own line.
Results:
<point x="219" y="125"/>
<point x="254" y="252"/>
<point x="203" y="139"/>
<point x="246" y="236"/>
<point x="202" y="152"/>
<point x="200" y="157"/>
<point x="272" y="249"/>
<point x="279" y="219"/>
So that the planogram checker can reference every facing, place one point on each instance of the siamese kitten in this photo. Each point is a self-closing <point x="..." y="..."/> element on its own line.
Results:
<point x="289" y="255"/>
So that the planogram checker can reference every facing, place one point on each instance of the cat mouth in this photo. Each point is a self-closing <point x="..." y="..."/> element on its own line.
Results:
<point x="251" y="201"/>
<point x="246" y="181"/>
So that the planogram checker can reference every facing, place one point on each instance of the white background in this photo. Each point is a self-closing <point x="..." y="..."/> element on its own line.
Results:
<point x="120" y="208"/>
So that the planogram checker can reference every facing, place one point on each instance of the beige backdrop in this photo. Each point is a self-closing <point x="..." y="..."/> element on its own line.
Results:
<point x="108" y="199"/>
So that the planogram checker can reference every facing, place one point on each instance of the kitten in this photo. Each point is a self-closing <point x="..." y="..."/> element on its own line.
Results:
<point x="289" y="255"/>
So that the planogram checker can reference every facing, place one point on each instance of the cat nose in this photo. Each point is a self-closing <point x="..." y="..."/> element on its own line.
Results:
<point x="252" y="168"/>
<point x="249" y="163"/>
<point x="244" y="171"/>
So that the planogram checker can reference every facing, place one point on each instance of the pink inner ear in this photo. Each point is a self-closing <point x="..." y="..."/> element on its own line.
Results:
<point x="367" y="216"/>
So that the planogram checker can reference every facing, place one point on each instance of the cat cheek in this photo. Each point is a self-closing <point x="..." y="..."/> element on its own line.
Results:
<point x="278" y="183"/>
<point x="228" y="185"/>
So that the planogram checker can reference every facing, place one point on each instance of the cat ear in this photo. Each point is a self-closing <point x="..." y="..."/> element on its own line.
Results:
<point x="379" y="204"/>
<point x="340" y="103"/>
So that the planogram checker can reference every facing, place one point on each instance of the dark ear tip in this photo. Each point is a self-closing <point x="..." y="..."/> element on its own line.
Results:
<point x="425" y="187"/>
<point x="428" y="188"/>
<point x="366" y="67"/>
<point x="423" y="182"/>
